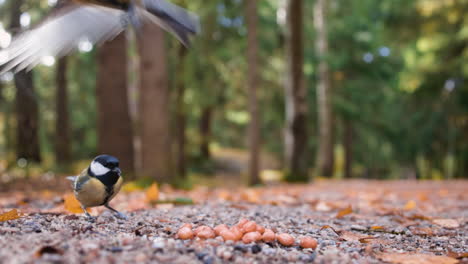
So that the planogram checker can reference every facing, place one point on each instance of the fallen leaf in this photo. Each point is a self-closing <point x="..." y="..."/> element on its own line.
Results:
<point x="251" y="196"/>
<point x="72" y="205"/>
<point x="152" y="194"/>
<point x="322" y="207"/>
<point x="447" y="223"/>
<point x="48" y="250"/>
<point x="344" y="212"/>
<point x="410" y="205"/>
<point x="422" y="231"/>
<point x="365" y="240"/>
<point x="457" y="255"/>
<point x="10" y="215"/>
<point x="327" y="226"/>
<point x="132" y="187"/>
<point x="377" y="228"/>
<point x="415" y="258"/>
<point x="419" y="217"/>
<point x="350" y="236"/>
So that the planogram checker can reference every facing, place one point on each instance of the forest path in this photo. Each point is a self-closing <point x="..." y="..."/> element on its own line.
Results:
<point x="353" y="221"/>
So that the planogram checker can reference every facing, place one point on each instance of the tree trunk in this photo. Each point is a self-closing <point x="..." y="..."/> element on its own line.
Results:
<point x="154" y="105"/>
<point x="325" y="160"/>
<point x="296" y="136"/>
<point x="62" y="125"/>
<point x="253" y="82"/>
<point x="114" y="126"/>
<point x="181" y="118"/>
<point x="205" y="131"/>
<point x="348" y="136"/>
<point x="27" y="109"/>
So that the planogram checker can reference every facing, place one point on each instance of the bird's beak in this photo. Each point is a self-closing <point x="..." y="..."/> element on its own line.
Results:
<point x="117" y="170"/>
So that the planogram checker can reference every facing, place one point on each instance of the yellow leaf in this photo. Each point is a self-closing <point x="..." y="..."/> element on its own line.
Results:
<point x="344" y="212"/>
<point x="377" y="228"/>
<point x="131" y="187"/>
<point x="152" y="194"/>
<point x="416" y="258"/>
<point x="410" y="205"/>
<point x="251" y="196"/>
<point x="11" y="215"/>
<point x="72" y="205"/>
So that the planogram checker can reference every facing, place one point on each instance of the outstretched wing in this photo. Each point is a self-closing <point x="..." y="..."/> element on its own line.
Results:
<point x="176" y="20"/>
<point x="61" y="33"/>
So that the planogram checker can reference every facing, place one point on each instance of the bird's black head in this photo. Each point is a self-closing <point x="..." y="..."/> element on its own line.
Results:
<point x="103" y="166"/>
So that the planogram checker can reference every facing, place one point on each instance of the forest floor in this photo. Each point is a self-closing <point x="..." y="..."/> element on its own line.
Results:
<point x="353" y="222"/>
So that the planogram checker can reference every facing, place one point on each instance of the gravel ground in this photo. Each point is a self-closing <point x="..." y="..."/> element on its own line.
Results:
<point x="149" y="234"/>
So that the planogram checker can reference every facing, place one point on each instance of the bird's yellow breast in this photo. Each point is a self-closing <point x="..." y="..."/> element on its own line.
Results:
<point x="92" y="193"/>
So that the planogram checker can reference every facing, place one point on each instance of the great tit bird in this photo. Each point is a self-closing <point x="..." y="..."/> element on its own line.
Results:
<point x="98" y="184"/>
<point x="73" y="22"/>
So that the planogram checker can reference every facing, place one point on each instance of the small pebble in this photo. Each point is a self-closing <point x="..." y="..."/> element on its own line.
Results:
<point x="256" y="248"/>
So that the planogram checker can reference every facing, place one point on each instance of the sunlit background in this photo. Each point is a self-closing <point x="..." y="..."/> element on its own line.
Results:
<point x="398" y="72"/>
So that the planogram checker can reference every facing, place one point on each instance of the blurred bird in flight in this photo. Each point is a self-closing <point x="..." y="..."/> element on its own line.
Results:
<point x="95" y="21"/>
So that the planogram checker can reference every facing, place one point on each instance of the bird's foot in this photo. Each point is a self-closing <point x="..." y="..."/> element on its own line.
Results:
<point x="121" y="216"/>
<point x="90" y="218"/>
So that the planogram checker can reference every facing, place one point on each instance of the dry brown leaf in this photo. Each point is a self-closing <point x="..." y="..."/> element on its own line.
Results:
<point x="48" y="250"/>
<point x="419" y="217"/>
<point x="72" y="205"/>
<point x="327" y="226"/>
<point x="10" y="215"/>
<point x="410" y="205"/>
<point x="415" y="258"/>
<point x="457" y="255"/>
<point x="322" y="206"/>
<point x="152" y="194"/>
<point x="346" y="211"/>
<point x="422" y="231"/>
<point x="447" y="223"/>
<point x="350" y="236"/>
<point x="251" y="196"/>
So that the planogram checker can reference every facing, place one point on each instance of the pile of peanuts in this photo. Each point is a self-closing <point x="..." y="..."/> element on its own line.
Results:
<point x="245" y="230"/>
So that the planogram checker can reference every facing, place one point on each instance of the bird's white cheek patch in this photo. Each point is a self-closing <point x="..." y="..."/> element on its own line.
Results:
<point x="98" y="169"/>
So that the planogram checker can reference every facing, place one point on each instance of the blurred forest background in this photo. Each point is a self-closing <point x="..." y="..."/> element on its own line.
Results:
<point x="298" y="89"/>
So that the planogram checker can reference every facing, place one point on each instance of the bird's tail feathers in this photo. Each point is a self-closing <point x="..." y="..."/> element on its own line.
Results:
<point x="176" y="20"/>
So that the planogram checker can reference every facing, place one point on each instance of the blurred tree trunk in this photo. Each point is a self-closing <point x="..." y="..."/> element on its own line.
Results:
<point x="205" y="131"/>
<point x="253" y="82"/>
<point x="62" y="125"/>
<point x="296" y="97"/>
<point x="348" y="142"/>
<point x="154" y="105"/>
<point x="324" y="164"/>
<point x="27" y="109"/>
<point x="114" y="125"/>
<point x="181" y="116"/>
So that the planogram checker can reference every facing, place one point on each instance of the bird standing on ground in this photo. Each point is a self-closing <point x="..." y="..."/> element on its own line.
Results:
<point x="74" y="21"/>
<point x="98" y="184"/>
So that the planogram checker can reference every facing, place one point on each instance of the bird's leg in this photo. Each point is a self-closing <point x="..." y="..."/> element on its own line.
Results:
<point x="88" y="216"/>
<point x="117" y="213"/>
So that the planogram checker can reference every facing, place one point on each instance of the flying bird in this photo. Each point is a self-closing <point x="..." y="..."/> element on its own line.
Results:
<point x="75" y="21"/>
<point x="98" y="184"/>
